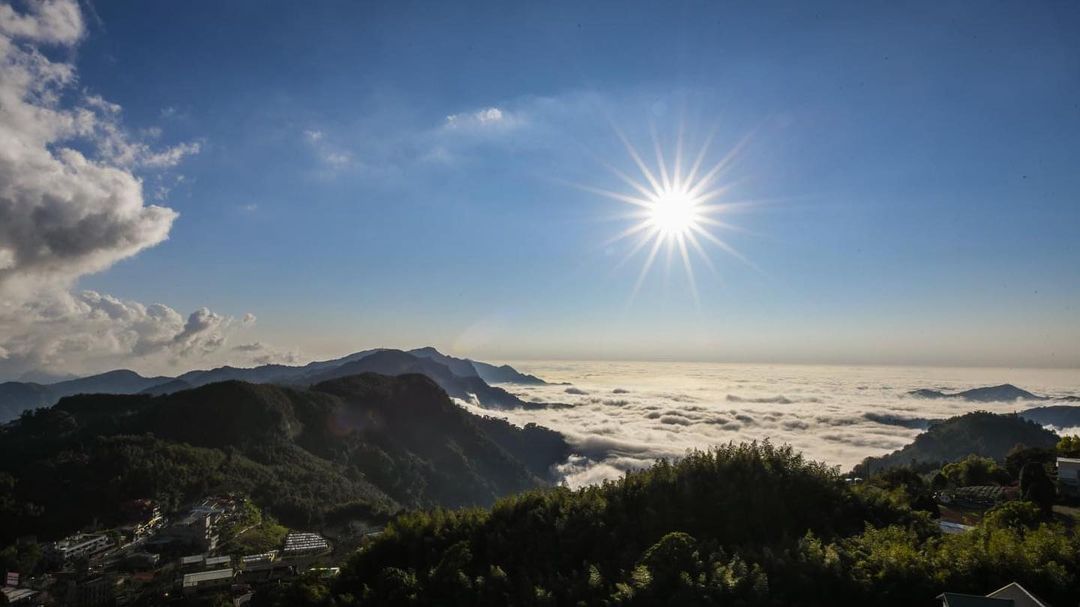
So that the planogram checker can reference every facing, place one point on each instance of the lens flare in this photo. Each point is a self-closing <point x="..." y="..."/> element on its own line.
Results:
<point x="676" y="208"/>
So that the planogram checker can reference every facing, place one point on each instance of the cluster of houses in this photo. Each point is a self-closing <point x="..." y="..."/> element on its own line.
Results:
<point x="106" y="568"/>
<point x="202" y="572"/>
<point x="984" y="497"/>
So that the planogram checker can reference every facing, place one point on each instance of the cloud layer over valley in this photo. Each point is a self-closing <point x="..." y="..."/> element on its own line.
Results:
<point x="625" y="415"/>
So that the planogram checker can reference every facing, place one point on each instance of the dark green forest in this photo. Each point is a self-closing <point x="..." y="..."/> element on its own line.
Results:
<point x="988" y="434"/>
<point x="359" y="447"/>
<point x="749" y="524"/>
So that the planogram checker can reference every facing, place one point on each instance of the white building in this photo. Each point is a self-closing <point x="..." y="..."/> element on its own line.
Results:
<point x="75" y="546"/>
<point x="202" y="580"/>
<point x="19" y="596"/>
<point x="195" y="529"/>
<point x="1068" y="470"/>
<point x="297" y="544"/>
<point x="217" y="562"/>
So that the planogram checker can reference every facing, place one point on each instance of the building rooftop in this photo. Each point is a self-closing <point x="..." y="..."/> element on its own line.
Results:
<point x="194" y="579"/>
<point x="304" y="542"/>
<point x="1019" y="596"/>
<point x="260" y="558"/>
<point x="193" y="559"/>
<point x="218" y="560"/>
<point x="955" y="599"/>
<point x="81" y="538"/>
<point x="1068" y="460"/>
<point x="953" y="528"/>
<point x="17" y="594"/>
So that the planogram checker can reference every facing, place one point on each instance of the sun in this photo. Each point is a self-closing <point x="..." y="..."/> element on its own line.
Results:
<point x="677" y="207"/>
<point x="674" y="213"/>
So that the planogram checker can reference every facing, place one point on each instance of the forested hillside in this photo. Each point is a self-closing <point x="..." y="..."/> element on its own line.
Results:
<point x="749" y="524"/>
<point x="360" y="446"/>
<point x="978" y="433"/>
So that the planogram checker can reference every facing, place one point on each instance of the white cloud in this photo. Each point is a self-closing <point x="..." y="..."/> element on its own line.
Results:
<point x="837" y="415"/>
<point x="486" y="117"/>
<point x="66" y="213"/>
<point x="47" y="21"/>
<point x="60" y="331"/>
<point x="63" y="214"/>
<point x="258" y="353"/>
<point x="332" y="157"/>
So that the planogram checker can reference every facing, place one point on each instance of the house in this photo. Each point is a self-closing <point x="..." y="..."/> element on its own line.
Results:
<point x="142" y="517"/>
<point x="955" y="599"/>
<point x="196" y="529"/>
<point x="978" y="497"/>
<point x="194" y="561"/>
<point x="1068" y="473"/>
<point x="259" y="561"/>
<point x="300" y="544"/>
<point x="79" y="545"/>
<point x="19" y="596"/>
<point x="1018" y="595"/>
<point x="217" y="562"/>
<point x="1013" y="595"/>
<point x="205" y="580"/>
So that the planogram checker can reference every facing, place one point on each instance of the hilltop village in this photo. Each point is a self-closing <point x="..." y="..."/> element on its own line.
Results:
<point x="220" y="544"/>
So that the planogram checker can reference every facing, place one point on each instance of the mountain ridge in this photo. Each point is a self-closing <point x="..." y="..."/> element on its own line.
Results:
<point x="976" y="433"/>
<point x="364" y="444"/>
<point x="16" y="397"/>
<point x="999" y="393"/>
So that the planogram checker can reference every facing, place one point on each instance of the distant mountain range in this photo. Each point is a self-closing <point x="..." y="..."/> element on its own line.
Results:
<point x="1002" y="393"/>
<point x="354" y="447"/>
<point x="979" y="433"/>
<point x="459" y="377"/>
<point x="1062" y="416"/>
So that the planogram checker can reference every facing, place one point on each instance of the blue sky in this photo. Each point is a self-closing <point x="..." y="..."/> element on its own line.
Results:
<point x="914" y="167"/>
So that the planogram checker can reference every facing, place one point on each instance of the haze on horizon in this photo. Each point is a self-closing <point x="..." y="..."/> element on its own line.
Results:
<point x="184" y="185"/>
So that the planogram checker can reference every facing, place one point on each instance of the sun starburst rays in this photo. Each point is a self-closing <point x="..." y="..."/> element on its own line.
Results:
<point x="676" y="209"/>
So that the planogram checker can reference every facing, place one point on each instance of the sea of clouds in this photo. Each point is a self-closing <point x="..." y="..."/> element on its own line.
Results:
<point x="622" y="416"/>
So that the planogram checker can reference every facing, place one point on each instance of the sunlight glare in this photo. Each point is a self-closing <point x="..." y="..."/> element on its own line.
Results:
<point x="675" y="208"/>
<point x="674" y="213"/>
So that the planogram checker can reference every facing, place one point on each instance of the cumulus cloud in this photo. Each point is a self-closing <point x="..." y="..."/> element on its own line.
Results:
<point x="63" y="214"/>
<point x="60" y="331"/>
<point x="47" y="21"/>
<point x="71" y="204"/>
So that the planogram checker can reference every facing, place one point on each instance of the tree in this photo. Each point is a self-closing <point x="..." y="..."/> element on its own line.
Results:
<point x="1015" y="515"/>
<point x="1069" y="446"/>
<point x="912" y="484"/>
<point x="1020" y="455"/>
<point x="1036" y="486"/>
<point x="975" y="470"/>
